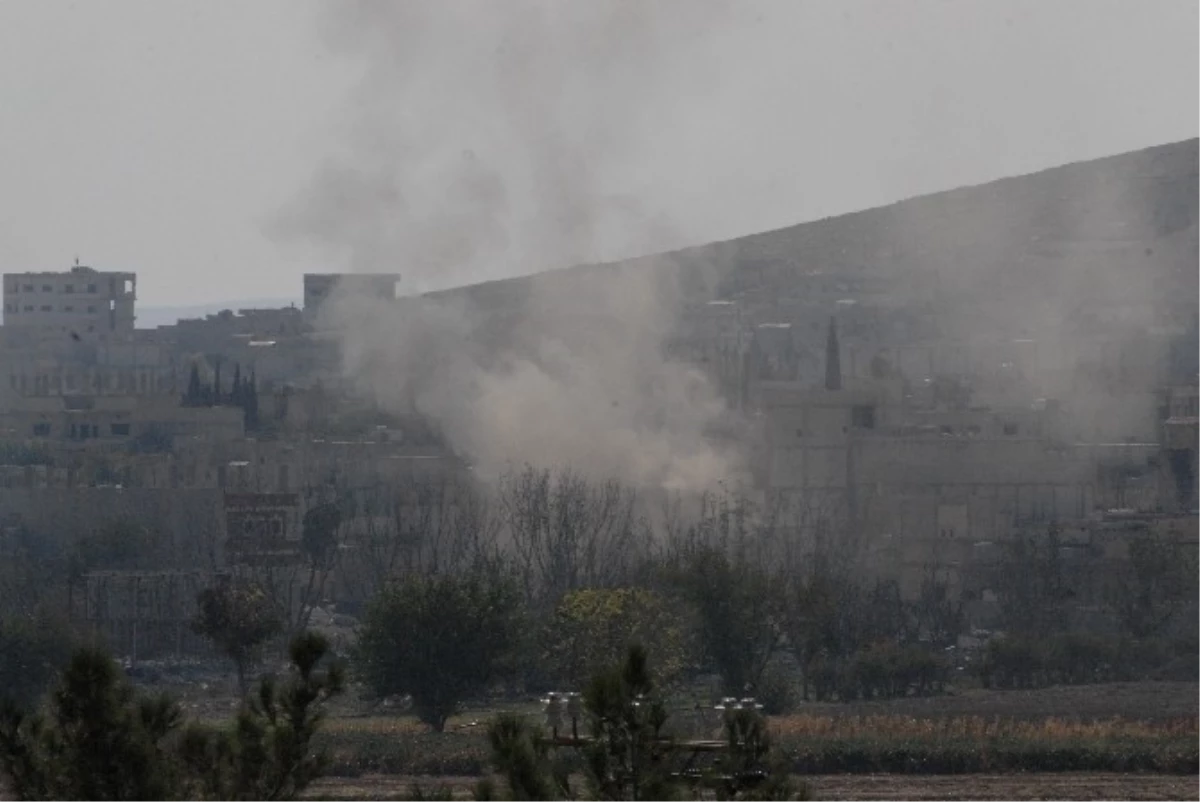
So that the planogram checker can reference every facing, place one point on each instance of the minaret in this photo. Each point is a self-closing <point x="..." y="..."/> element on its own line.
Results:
<point x="833" y="359"/>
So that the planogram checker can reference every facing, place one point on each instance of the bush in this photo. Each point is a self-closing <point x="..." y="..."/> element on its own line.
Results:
<point x="882" y="671"/>
<point x="1017" y="661"/>
<point x="1078" y="658"/>
<point x="1010" y="661"/>
<point x="442" y="639"/>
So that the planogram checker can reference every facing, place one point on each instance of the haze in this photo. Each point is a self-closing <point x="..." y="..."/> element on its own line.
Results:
<point x="187" y="140"/>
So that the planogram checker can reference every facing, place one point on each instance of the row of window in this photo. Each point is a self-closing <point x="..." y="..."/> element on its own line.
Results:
<point x="14" y="308"/>
<point x="119" y="382"/>
<point x="68" y="289"/>
<point x="82" y="431"/>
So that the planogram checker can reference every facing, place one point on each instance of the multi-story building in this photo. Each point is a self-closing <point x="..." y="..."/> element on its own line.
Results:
<point x="320" y="287"/>
<point x="81" y="302"/>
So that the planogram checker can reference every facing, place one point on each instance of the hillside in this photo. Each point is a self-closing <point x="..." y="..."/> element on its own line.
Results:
<point x="1110" y="218"/>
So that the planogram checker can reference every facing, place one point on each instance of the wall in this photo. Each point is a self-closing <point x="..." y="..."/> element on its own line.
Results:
<point x="82" y="301"/>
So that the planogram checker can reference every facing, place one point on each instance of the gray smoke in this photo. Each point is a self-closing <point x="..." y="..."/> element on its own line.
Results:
<point x="486" y="140"/>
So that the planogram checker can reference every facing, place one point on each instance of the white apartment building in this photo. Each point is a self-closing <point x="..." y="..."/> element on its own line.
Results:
<point x="81" y="301"/>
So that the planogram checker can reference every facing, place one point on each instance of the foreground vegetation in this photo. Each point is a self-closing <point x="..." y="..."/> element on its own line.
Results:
<point x="733" y="604"/>
<point x="98" y="737"/>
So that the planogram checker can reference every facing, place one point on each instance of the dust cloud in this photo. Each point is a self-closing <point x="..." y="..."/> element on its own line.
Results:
<point x="488" y="140"/>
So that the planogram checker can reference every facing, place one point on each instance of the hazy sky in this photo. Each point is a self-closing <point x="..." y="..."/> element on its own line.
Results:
<point x="166" y="137"/>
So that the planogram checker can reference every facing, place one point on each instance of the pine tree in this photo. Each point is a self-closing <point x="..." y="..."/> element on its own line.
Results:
<point x="235" y="395"/>
<point x="250" y="403"/>
<point x="193" y="396"/>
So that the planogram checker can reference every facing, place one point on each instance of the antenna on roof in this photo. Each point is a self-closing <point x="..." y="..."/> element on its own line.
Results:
<point x="77" y="261"/>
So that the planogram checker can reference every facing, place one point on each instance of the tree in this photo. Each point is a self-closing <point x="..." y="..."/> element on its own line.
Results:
<point x="33" y="649"/>
<point x="250" y="402"/>
<point x="568" y="533"/>
<point x="238" y="617"/>
<point x="738" y="610"/>
<point x="1031" y="586"/>
<point x="194" y="396"/>
<point x="936" y="613"/>
<point x="98" y="741"/>
<point x="1154" y="587"/>
<point x="98" y="738"/>
<point x="268" y="754"/>
<point x="319" y="541"/>
<point x="441" y="639"/>
<point x="593" y="628"/>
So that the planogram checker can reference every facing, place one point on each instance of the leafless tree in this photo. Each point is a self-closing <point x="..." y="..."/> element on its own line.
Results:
<point x="433" y="524"/>
<point x="565" y="532"/>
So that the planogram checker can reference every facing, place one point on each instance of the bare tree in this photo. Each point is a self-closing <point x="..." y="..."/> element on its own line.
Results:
<point x="427" y="524"/>
<point x="566" y="532"/>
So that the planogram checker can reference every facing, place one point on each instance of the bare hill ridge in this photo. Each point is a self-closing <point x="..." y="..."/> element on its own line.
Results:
<point x="1145" y="198"/>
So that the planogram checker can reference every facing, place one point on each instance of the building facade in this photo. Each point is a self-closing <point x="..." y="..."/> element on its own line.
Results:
<point x="83" y="302"/>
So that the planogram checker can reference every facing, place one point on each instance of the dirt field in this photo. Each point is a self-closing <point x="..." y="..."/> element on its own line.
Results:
<point x="860" y="786"/>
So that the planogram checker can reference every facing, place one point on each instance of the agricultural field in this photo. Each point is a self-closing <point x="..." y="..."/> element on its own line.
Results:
<point x="1063" y="785"/>
<point x="1119" y="741"/>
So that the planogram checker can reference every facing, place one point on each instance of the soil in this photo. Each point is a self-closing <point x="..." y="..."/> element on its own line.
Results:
<point x="1065" y="785"/>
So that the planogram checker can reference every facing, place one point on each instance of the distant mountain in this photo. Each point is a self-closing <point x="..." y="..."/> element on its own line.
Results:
<point x="150" y="317"/>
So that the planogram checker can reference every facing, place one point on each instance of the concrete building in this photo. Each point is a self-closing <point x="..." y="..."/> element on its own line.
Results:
<point x="320" y="287"/>
<point x="74" y="422"/>
<point x="81" y="302"/>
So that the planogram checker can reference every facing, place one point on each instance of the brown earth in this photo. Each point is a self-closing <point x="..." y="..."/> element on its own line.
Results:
<point x="1065" y="785"/>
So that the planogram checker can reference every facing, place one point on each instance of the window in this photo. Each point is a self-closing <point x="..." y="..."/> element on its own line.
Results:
<point x="47" y="288"/>
<point x="28" y="308"/>
<point x="47" y="308"/>
<point x="1010" y="429"/>
<point x="28" y="288"/>
<point x="91" y="310"/>
<point x="68" y="308"/>
<point x="92" y="289"/>
<point x="10" y="307"/>
<point x="69" y="288"/>
<point x="14" y="288"/>
<point x="41" y="430"/>
<point x="799" y="432"/>
<point x="120" y="429"/>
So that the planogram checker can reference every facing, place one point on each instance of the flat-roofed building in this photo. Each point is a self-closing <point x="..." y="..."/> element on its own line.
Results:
<point x="82" y="301"/>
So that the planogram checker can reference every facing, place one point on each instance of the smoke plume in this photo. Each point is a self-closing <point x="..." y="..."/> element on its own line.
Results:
<point x="489" y="140"/>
